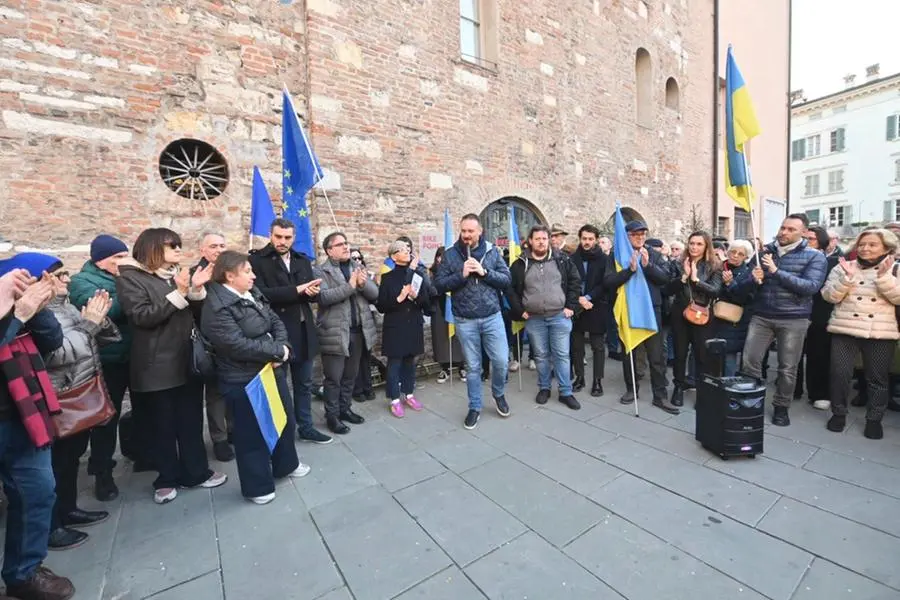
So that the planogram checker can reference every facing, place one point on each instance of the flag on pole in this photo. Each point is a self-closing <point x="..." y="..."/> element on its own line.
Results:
<point x="448" y="303"/>
<point x="301" y="171"/>
<point x="740" y="126"/>
<point x="265" y="400"/>
<point x="515" y="250"/>
<point x="261" y="212"/>
<point x="633" y="308"/>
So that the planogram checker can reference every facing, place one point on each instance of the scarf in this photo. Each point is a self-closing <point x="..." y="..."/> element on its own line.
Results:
<point x="782" y="250"/>
<point x="477" y="252"/>
<point x="167" y="274"/>
<point x="868" y="264"/>
<point x="30" y="388"/>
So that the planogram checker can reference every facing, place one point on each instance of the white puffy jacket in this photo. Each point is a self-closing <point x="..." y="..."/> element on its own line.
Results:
<point x="864" y="305"/>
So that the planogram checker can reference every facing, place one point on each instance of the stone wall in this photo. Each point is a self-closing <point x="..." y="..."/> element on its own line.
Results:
<point x="91" y="94"/>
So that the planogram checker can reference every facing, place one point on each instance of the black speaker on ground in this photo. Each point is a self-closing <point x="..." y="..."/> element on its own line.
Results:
<point x="730" y="411"/>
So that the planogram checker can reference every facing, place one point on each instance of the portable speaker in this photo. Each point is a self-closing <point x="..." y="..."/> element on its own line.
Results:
<point x="730" y="414"/>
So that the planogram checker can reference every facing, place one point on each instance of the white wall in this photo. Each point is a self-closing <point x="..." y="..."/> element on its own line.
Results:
<point x="868" y="160"/>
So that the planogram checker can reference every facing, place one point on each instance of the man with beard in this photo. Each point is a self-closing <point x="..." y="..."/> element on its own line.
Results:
<point x="591" y="316"/>
<point x="285" y="277"/>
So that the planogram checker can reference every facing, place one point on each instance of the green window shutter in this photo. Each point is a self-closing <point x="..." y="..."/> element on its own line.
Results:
<point x="888" y="211"/>
<point x="892" y="127"/>
<point x="798" y="150"/>
<point x="841" y="137"/>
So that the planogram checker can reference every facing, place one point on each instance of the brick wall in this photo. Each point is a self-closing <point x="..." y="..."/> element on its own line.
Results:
<point x="91" y="94"/>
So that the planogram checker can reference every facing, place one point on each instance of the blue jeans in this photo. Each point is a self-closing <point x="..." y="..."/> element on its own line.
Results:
<point x="550" y="339"/>
<point x="28" y="480"/>
<point x="490" y="334"/>
<point x="401" y="376"/>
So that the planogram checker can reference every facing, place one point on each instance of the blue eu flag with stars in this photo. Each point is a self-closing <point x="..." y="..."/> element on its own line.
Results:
<point x="301" y="171"/>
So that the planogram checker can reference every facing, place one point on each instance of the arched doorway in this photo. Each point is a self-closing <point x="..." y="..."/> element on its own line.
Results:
<point x="628" y="214"/>
<point x="495" y="219"/>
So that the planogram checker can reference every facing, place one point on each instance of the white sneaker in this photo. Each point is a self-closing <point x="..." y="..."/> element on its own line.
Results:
<point x="442" y="377"/>
<point x="300" y="471"/>
<point x="164" y="495"/>
<point x="262" y="499"/>
<point x="513" y="366"/>
<point x="822" y="404"/>
<point x="215" y="480"/>
<point x="462" y="374"/>
<point x="532" y="366"/>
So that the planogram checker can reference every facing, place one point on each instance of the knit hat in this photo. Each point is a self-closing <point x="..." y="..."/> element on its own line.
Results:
<point x="105" y="246"/>
<point x="33" y="262"/>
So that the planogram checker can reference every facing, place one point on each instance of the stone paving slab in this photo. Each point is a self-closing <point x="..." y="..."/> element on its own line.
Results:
<point x="529" y="567"/>
<point x="862" y="549"/>
<point x="768" y="565"/>
<point x="548" y="503"/>
<point x="381" y="549"/>
<point x="465" y="523"/>
<point x="556" y="513"/>
<point x="641" y="566"/>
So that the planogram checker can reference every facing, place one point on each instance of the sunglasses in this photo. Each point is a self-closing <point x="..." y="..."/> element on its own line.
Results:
<point x="173" y="245"/>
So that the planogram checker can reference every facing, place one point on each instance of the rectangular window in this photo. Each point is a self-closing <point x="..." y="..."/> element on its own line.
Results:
<point x="469" y="31"/>
<point x="722" y="226"/>
<point x="742" y="229"/>
<point x="812" y="185"/>
<point x="798" y="150"/>
<point x="813" y="216"/>
<point x="835" y="181"/>
<point x="896" y="210"/>
<point x="897" y="171"/>
<point x="836" y="216"/>
<point x="893" y="122"/>
<point x="813" y="146"/>
<point x="837" y="140"/>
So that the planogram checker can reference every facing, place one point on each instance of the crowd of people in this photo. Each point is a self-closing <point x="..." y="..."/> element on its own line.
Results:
<point x="133" y="320"/>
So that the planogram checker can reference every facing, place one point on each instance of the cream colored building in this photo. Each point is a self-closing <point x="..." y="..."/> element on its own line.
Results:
<point x="760" y="34"/>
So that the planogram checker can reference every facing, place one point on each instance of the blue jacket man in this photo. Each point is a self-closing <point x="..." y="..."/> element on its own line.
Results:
<point x="791" y="273"/>
<point x="474" y="273"/>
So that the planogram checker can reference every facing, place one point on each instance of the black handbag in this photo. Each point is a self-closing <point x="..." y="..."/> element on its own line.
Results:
<point x="203" y="360"/>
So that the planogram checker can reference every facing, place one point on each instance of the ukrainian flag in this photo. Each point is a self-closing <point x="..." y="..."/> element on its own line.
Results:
<point x="265" y="399"/>
<point x="449" y="240"/>
<point x="633" y="308"/>
<point x="740" y="126"/>
<point x="515" y="250"/>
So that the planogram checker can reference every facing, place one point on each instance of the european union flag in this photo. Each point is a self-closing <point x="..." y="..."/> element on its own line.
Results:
<point x="301" y="173"/>
<point x="261" y="212"/>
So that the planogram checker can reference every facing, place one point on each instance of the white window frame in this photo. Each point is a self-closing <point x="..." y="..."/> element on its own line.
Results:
<point x="811" y="185"/>
<point x="475" y="22"/>
<point x="836" y="216"/>
<point x="813" y="145"/>
<point x="897" y="170"/>
<point x="835" y="181"/>
<point x="897" y="210"/>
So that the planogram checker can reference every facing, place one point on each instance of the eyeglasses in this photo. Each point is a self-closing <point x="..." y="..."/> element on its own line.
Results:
<point x="338" y="245"/>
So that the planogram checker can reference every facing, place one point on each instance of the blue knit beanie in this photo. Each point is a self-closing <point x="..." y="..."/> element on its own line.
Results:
<point x="33" y="262"/>
<point x="105" y="246"/>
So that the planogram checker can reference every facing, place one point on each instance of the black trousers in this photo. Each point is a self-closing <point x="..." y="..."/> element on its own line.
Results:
<point x="363" y="384"/>
<point x="817" y="352"/>
<point x="652" y="347"/>
<point x="103" y="438"/>
<point x="877" y="356"/>
<point x="180" y="456"/>
<point x="577" y="347"/>
<point x="257" y="468"/>
<point x="340" y="376"/>
<point x="686" y="334"/>
<point x="65" y="456"/>
<point x="143" y="425"/>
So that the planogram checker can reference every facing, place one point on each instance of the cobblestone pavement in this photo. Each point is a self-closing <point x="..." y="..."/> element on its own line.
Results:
<point x="547" y="504"/>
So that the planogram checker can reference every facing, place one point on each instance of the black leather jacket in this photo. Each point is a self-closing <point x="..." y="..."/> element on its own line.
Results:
<point x="703" y="292"/>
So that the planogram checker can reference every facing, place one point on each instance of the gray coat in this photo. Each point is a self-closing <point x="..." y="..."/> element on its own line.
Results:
<point x="333" y="320"/>
<point x="78" y="359"/>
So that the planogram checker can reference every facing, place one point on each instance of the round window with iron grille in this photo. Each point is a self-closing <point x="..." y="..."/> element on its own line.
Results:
<point x="193" y="169"/>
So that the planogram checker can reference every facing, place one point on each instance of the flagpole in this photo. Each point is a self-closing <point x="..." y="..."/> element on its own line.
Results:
<point x="633" y="381"/>
<point x="750" y="204"/>
<point x="450" y="345"/>
<point x="519" y="344"/>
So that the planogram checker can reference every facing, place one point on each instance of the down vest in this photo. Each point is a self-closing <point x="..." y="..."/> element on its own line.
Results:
<point x="789" y="292"/>
<point x="474" y="297"/>
<point x="864" y="303"/>
<point x="78" y="359"/>
<point x="334" y="316"/>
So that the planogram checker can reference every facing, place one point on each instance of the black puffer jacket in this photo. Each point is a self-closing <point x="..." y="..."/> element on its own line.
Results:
<point x="245" y="334"/>
<point x="703" y="292"/>
<point x="658" y="273"/>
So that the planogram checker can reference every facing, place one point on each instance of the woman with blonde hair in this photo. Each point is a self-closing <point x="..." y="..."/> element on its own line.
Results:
<point x="697" y="281"/>
<point x="865" y="292"/>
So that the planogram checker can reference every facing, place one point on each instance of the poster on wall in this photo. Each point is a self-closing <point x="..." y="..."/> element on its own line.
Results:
<point x="429" y="242"/>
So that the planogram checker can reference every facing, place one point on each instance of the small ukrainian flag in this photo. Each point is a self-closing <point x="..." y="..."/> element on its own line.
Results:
<point x="265" y="399"/>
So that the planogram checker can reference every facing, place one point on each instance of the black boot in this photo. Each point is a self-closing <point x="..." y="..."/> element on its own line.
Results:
<point x="628" y="397"/>
<point x="597" y="389"/>
<point x="63" y="538"/>
<point x="351" y="417"/>
<point x="873" y="430"/>
<point x="105" y="487"/>
<point x="578" y="384"/>
<point x="677" y="396"/>
<point x="780" y="416"/>
<point x="837" y="423"/>
<point x="335" y="425"/>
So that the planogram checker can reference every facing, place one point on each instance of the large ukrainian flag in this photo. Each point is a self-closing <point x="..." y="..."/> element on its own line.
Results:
<point x="633" y="308"/>
<point x="515" y="250"/>
<point x="740" y="126"/>
<point x="265" y="399"/>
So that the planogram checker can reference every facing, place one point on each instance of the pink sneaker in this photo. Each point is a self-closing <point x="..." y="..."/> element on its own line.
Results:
<point x="413" y="403"/>
<point x="397" y="409"/>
